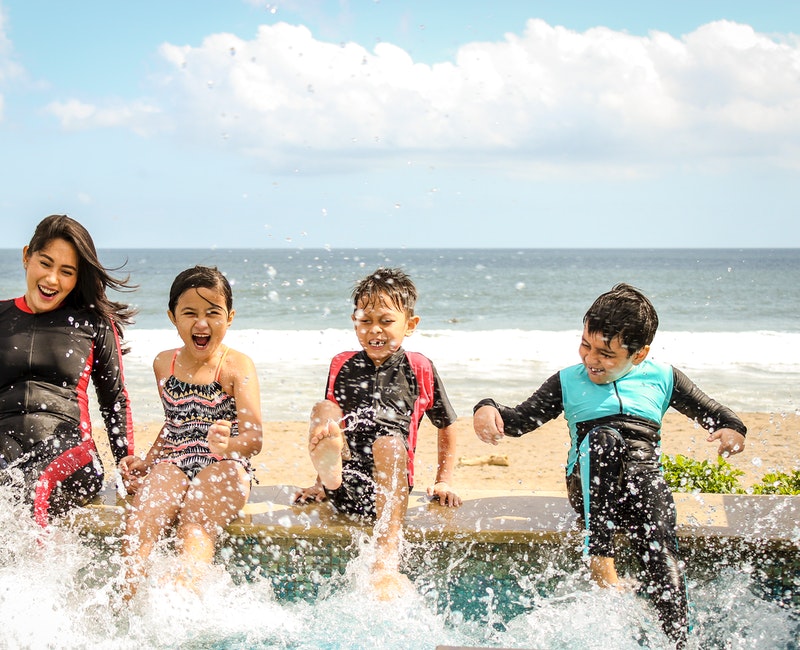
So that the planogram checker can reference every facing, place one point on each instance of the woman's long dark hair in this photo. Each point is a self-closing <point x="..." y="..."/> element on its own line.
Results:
<point x="93" y="278"/>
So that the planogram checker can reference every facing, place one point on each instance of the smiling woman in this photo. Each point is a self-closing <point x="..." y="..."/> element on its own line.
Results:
<point x="63" y="332"/>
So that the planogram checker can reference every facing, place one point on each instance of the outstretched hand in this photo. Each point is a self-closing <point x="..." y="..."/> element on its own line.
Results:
<point x="730" y="441"/>
<point x="488" y="424"/>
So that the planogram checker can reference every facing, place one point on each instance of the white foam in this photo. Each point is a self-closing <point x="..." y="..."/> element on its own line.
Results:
<point x="745" y="370"/>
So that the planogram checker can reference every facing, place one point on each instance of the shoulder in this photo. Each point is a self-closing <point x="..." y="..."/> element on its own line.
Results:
<point x="342" y="358"/>
<point x="163" y="360"/>
<point x="237" y="365"/>
<point x="650" y="368"/>
<point x="236" y="359"/>
<point x="571" y="372"/>
<point x="345" y="356"/>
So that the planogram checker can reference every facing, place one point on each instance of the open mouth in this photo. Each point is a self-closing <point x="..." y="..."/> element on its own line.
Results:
<point x="201" y="340"/>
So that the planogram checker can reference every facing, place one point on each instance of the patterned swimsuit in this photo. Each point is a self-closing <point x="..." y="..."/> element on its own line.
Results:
<point x="190" y="409"/>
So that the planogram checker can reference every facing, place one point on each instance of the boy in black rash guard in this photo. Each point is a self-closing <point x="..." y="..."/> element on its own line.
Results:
<point x="374" y="402"/>
<point x="614" y="402"/>
<point x="61" y="335"/>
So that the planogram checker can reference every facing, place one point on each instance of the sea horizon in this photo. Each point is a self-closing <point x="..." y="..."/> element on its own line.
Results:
<point x="495" y="322"/>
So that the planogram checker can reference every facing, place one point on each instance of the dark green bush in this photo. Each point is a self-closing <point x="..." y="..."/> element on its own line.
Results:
<point x="684" y="474"/>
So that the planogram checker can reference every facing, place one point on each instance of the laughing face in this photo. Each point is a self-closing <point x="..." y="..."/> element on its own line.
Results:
<point x="202" y="321"/>
<point x="51" y="273"/>
<point x="381" y="328"/>
<point x="607" y="361"/>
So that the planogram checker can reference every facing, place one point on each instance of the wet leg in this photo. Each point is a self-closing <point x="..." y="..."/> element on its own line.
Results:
<point x="214" y="499"/>
<point x="391" y="502"/>
<point x="155" y="507"/>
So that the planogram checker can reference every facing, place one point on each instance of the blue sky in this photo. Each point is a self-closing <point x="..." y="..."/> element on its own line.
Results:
<point x="236" y="123"/>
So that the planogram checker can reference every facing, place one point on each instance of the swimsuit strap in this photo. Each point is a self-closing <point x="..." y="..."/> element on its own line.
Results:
<point x="216" y="372"/>
<point x="219" y="364"/>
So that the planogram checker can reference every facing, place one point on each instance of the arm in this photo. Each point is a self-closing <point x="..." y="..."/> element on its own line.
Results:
<point x="721" y="422"/>
<point x="240" y="379"/>
<point x="112" y="397"/>
<point x="441" y="490"/>
<point x="134" y="469"/>
<point x="492" y="421"/>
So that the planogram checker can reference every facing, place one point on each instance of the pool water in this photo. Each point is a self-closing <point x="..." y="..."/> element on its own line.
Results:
<point x="60" y="590"/>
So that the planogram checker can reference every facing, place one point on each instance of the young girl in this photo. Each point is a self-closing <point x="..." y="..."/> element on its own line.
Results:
<point x="197" y="473"/>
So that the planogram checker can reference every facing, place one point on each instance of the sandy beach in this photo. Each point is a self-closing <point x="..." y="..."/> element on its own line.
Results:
<point x="535" y="461"/>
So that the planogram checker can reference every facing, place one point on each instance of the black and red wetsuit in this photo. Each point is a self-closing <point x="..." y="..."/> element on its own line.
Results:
<point x="384" y="400"/>
<point x="46" y="363"/>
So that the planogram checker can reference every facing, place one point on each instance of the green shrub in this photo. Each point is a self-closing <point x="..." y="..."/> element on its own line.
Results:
<point x="779" y="483"/>
<point x="684" y="474"/>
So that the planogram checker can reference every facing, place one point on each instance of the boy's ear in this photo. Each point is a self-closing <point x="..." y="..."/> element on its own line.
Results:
<point x="230" y="316"/>
<point x="411" y="325"/>
<point x="640" y="355"/>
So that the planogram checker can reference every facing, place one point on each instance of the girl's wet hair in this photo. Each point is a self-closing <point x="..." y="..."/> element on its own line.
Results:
<point x="383" y="284"/>
<point x="624" y="312"/>
<point x="200" y="277"/>
<point x="93" y="278"/>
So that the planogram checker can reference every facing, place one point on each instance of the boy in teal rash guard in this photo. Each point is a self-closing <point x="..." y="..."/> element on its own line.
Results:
<point x="614" y="402"/>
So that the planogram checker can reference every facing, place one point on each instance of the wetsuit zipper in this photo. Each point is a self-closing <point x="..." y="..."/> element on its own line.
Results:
<point x="619" y="399"/>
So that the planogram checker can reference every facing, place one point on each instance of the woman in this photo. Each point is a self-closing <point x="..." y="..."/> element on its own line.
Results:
<point x="62" y="334"/>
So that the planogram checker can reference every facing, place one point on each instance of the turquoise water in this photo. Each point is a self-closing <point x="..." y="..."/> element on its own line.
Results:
<point x="57" y="590"/>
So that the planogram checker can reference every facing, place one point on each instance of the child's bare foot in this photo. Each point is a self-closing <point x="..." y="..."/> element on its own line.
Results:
<point x="325" y="447"/>
<point x="390" y="585"/>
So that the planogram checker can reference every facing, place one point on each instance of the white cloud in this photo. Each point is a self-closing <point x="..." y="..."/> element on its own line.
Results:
<point x="76" y="115"/>
<point x="544" y="97"/>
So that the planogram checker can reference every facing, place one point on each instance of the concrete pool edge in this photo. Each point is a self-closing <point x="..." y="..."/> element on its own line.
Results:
<point x="486" y="515"/>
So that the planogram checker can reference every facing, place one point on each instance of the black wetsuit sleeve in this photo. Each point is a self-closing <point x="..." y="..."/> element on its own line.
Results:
<point x="441" y="413"/>
<point x="544" y="405"/>
<point x="112" y="397"/>
<point x="688" y="399"/>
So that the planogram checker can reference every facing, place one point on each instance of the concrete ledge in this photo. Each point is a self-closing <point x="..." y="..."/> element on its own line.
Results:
<point x="516" y="516"/>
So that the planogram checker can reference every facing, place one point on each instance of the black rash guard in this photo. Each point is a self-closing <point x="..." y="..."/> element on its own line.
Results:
<point x="389" y="399"/>
<point x="46" y="363"/>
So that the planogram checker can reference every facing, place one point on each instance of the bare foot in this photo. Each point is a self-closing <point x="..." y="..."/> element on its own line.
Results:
<point x="390" y="585"/>
<point x="325" y="447"/>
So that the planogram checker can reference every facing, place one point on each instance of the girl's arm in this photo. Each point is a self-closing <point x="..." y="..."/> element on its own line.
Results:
<point x="240" y="379"/>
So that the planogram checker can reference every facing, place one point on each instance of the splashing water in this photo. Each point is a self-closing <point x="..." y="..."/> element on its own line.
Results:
<point x="58" y="589"/>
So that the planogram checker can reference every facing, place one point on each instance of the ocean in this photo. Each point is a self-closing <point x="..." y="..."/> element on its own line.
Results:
<point x="495" y="322"/>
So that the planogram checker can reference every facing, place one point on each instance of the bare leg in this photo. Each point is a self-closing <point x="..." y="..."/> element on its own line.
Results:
<point x="325" y="443"/>
<point x="155" y="507"/>
<point x="603" y="571"/>
<point x="391" y="501"/>
<point x="213" y="500"/>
